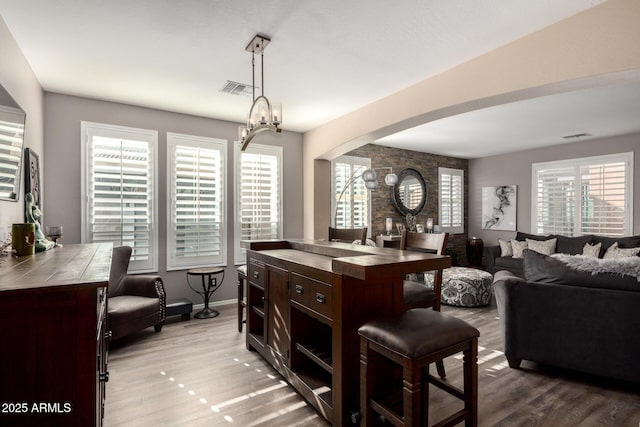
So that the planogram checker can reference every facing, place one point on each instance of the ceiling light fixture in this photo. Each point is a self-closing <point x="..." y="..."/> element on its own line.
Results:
<point x="263" y="115"/>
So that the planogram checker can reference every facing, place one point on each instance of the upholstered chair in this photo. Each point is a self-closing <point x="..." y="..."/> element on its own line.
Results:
<point x="136" y="301"/>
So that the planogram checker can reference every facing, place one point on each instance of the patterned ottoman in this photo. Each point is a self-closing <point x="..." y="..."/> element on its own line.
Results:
<point x="464" y="287"/>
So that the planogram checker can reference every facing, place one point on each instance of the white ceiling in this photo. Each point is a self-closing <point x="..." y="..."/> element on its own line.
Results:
<point x="326" y="58"/>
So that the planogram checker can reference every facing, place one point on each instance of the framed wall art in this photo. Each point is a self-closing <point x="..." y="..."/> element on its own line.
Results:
<point x="32" y="175"/>
<point x="499" y="207"/>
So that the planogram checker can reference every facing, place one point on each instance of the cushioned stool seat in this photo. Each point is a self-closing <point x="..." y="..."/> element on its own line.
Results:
<point x="413" y="340"/>
<point x="464" y="287"/>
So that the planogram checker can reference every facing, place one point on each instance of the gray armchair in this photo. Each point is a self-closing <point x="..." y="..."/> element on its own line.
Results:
<point x="135" y="301"/>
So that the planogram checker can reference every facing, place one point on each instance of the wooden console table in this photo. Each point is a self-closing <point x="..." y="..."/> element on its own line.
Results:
<point x="53" y="330"/>
<point x="305" y="303"/>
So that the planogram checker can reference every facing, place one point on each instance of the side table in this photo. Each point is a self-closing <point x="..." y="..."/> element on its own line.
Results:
<point x="210" y="283"/>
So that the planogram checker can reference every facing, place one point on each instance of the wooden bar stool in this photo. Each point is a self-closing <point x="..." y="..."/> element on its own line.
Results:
<point x="413" y="340"/>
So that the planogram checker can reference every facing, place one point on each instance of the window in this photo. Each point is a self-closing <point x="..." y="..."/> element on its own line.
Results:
<point x="451" y="206"/>
<point x="196" y="234"/>
<point x="350" y="201"/>
<point x="591" y="195"/>
<point x="119" y="185"/>
<point x="258" y="195"/>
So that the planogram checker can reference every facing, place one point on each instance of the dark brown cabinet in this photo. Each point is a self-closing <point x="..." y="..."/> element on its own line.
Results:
<point x="53" y="331"/>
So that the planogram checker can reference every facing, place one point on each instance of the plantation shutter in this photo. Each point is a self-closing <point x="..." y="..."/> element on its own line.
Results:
<point x="451" y="214"/>
<point x="351" y="199"/>
<point x="195" y="234"/>
<point x="259" y="195"/>
<point x="120" y="191"/>
<point x="583" y="196"/>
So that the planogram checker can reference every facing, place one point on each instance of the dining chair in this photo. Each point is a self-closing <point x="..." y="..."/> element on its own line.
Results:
<point x="348" y="235"/>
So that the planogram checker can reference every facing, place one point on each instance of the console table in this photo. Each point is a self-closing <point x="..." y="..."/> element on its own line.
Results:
<point x="305" y="303"/>
<point x="53" y="331"/>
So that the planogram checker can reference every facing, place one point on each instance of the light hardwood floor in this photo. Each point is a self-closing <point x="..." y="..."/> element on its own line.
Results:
<point x="199" y="373"/>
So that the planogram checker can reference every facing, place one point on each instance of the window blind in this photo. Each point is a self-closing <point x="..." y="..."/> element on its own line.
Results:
<point x="119" y="186"/>
<point x="195" y="234"/>
<point x="583" y="196"/>
<point x="350" y="204"/>
<point x="258" y="195"/>
<point x="451" y="207"/>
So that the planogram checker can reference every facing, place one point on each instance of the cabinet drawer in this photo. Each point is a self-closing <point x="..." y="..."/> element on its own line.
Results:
<point x="257" y="273"/>
<point x="311" y="293"/>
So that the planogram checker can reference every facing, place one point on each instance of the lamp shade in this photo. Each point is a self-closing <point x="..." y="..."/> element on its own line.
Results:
<point x="371" y="185"/>
<point x="391" y="179"/>
<point x="369" y="175"/>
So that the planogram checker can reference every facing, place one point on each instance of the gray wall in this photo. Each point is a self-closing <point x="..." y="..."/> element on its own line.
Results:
<point x="18" y="79"/>
<point x="515" y="168"/>
<point x="63" y="115"/>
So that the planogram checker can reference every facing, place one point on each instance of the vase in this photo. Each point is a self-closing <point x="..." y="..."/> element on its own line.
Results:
<point x="475" y="247"/>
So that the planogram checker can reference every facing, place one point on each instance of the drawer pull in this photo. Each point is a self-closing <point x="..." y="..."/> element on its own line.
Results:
<point x="299" y="289"/>
<point x="104" y="377"/>
<point x="256" y="274"/>
<point x="320" y="298"/>
<point x="108" y="335"/>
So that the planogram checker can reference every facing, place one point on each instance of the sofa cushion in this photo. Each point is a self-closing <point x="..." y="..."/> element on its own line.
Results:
<point x="546" y="247"/>
<point x="520" y="236"/>
<point x="505" y="248"/>
<point x="508" y="263"/>
<point x="541" y="268"/>
<point x="623" y="242"/>
<point x="571" y="245"/>
<point x="615" y="252"/>
<point x="518" y="247"/>
<point x="592" y="251"/>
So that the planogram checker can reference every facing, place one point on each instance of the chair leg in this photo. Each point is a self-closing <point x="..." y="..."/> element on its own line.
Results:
<point x="414" y="395"/>
<point x="157" y="327"/>
<point x="440" y="367"/>
<point x="367" y="378"/>
<point x="470" y="367"/>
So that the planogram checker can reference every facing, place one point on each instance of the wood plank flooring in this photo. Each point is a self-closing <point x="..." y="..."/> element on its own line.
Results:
<point x="199" y="373"/>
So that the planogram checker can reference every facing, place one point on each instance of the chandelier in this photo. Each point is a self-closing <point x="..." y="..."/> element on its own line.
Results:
<point x="263" y="115"/>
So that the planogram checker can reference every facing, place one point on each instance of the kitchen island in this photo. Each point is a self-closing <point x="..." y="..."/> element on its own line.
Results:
<point x="305" y="303"/>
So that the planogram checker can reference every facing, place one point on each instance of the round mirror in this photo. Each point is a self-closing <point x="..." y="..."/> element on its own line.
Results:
<point x="410" y="193"/>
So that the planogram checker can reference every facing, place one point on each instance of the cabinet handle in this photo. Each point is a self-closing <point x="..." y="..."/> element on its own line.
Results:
<point x="299" y="289"/>
<point x="104" y="377"/>
<point x="108" y="335"/>
<point x="256" y="274"/>
<point x="320" y="298"/>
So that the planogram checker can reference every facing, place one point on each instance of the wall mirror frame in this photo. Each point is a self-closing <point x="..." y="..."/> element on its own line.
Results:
<point x="12" y="122"/>
<point x="410" y="193"/>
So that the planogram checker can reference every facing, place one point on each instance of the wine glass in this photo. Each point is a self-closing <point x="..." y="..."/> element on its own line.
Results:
<point x="54" y="233"/>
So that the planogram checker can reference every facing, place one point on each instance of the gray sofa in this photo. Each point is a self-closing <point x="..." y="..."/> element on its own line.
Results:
<point x="570" y="319"/>
<point x="566" y="245"/>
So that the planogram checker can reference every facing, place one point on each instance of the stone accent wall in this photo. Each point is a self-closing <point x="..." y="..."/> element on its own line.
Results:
<point x="427" y="164"/>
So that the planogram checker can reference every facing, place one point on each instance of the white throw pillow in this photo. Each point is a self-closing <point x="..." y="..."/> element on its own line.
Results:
<point x="518" y="247"/>
<point x="505" y="248"/>
<point x="615" y="252"/>
<point x="546" y="247"/>
<point x="592" y="251"/>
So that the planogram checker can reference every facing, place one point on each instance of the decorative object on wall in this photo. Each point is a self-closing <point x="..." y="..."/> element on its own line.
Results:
<point x="263" y="116"/>
<point x="499" y="207"/>
<point x="410" y="194"/>
<point x="32" y="175"/>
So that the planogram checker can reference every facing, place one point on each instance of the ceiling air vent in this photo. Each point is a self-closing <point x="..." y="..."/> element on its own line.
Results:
<point x="577" y="135"/>
<point x="236" y="88"/>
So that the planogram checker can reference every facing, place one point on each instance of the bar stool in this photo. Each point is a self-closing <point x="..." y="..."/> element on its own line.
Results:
<point x="242" y="279"/>
<point x="413" y="340"/>
<point x="210" y="284"/>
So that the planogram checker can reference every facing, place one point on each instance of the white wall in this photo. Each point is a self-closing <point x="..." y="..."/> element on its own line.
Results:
<point x="18" y="79"/>
<point x="515" y="168"/>
<point x="63" y="115"/>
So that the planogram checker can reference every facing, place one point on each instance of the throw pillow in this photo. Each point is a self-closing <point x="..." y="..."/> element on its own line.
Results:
<point x="545" y="269"/>
<point x="505" y="248"/>
<point x="517" y="247"/>
<point x="592" y="251"/>
<point x="546" y="247"/>
<point x="615" y="252"/>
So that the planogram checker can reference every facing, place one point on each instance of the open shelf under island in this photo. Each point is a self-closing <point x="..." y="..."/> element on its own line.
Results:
<point x="306" y="301"/>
